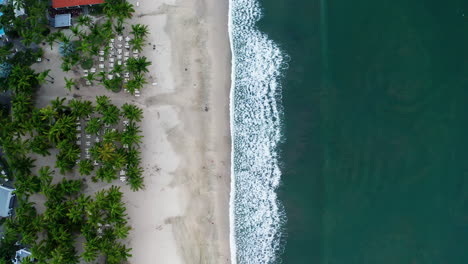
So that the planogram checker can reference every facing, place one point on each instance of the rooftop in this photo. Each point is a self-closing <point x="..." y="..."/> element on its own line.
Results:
<point x="20" y="255"/>
<point x="63" y="20"/>
<point x="72" y="3"/>
<point x="6" y="196"/>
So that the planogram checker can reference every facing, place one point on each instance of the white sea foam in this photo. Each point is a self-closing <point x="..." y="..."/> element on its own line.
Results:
<point x="255" y="213"/>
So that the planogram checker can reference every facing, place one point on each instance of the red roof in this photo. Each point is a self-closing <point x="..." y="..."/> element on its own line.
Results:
<point x="70" y="3"/>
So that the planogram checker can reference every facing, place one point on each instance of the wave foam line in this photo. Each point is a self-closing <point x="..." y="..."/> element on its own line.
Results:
<point x="256" y="217"/>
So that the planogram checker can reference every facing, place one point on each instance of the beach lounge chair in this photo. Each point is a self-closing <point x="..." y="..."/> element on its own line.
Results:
<point x="97" y="140"/>
<point x="110" y="76"/>
<point x="101" y="59"/>
<point x="112" y="40"/>
<point x="93" y="70"/>
<point x="101" y="66"/>
<point x="119" y="57"/>
<point x="125" y="122"/>
<point x="96" y="163"/>
<point x="137" y="93"/>
<point x="88" y="83"/>
<point x="88" y="156"/>
<point x="119" y="51"/>
<point x="88" y="136"/>
<point x="119" y="62"/>
<point x="125" y="146"/>
<point x="154" y="84"/>
<point x="123" y="178"/>
<point x="135" y="51"/>
<point x="78" y="135"/>
<point x="88" y="143"/>
<point x="127" y="74"/>
<point x="135" y="55"/>
<point x="126" y="53"/>
<point x="101" y="52"/>
<point x="78" y="142"/>
<point x="111" y="65"/>
<point x="127" y="39"/>
<point x="126" y="80"/>
<point x="122" y="173"/>
<point x="127" y="46"/>
<point x="78" y="128"/>
<point x="111" y="59"/>
<point x="120" y="38"/>
<point x="119" y="45"/>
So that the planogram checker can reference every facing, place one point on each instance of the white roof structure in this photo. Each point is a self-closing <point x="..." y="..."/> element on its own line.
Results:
<point x="20" y="255"/>
<point x="18" y="11"/>
<point x="6" y="197"/>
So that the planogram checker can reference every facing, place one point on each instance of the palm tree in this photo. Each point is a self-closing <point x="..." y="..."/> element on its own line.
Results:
<point x="136" y="83"/>
<point x="139" y="30"/>
<point x="121" y="231"/>
<point x="111" y="136"/>
<point x="106" y="173"/>
<point x="102" y="102"/>
<point x="64" y="128"/>
<point x="69" y="83"/>
<point x="93" y="126"/>
<point x="132" y="112"/>
<point x="58" y="105"/>
<point x="90" y="251"/>
<point x="134" y="174"/>
<point x="91" y="77"/>
<point x="133" y="156"/>
<point x="45" y="176"/>
<point x="77" y="31"/>
<point x="137" y="43"/>
<point x="131" y="135"/>
<point x="81" y="108"/>
<point x="84" y="20"/>
<point x="106" y="152"/>
<point x="119" y="28"/>
<point x="40" y="144"/>
<point x="138" y="65"/>
<point x="111" y="115"/>
<point x="86" y="167"/>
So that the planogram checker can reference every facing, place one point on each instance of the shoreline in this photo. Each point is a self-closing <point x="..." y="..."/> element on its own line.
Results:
<point x="186" y="149"/>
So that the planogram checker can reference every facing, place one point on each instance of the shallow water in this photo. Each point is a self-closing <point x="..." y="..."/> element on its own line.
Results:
<point x="373" y="165"/>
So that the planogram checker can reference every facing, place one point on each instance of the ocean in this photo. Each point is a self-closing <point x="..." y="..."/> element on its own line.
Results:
<point x="349" y="124"/>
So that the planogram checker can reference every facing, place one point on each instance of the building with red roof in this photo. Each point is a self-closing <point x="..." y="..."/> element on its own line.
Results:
<point x="74" y="3"/>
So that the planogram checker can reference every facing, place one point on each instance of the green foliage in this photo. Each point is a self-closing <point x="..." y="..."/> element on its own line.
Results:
<point x="85" y="167"/>
<point x="87" y="63"/>
<point x="80" y="108"/>
<point x="93" y="126"/>
<point x="111" y="115"/>
<point x="63" y="129"/>
<point x="132" y="112"/>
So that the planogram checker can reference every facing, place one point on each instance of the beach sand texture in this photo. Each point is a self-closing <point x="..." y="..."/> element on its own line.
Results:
<point x="182" y="215"/>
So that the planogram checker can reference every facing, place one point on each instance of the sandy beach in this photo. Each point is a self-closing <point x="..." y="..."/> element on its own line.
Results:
<point x="182" y="215"/>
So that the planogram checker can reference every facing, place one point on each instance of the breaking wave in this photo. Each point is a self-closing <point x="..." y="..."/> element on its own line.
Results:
<point x="256" y="216"/>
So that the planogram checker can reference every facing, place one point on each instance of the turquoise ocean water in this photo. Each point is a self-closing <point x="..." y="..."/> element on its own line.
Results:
<point x="350" y="131"/>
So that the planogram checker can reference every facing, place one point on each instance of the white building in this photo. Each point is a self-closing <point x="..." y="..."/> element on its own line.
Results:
<point x="20" y="255"/>
<point x="6" y="201"/>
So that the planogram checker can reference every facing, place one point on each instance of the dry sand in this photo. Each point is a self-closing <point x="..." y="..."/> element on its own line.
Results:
<point x="182" y="215"/>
